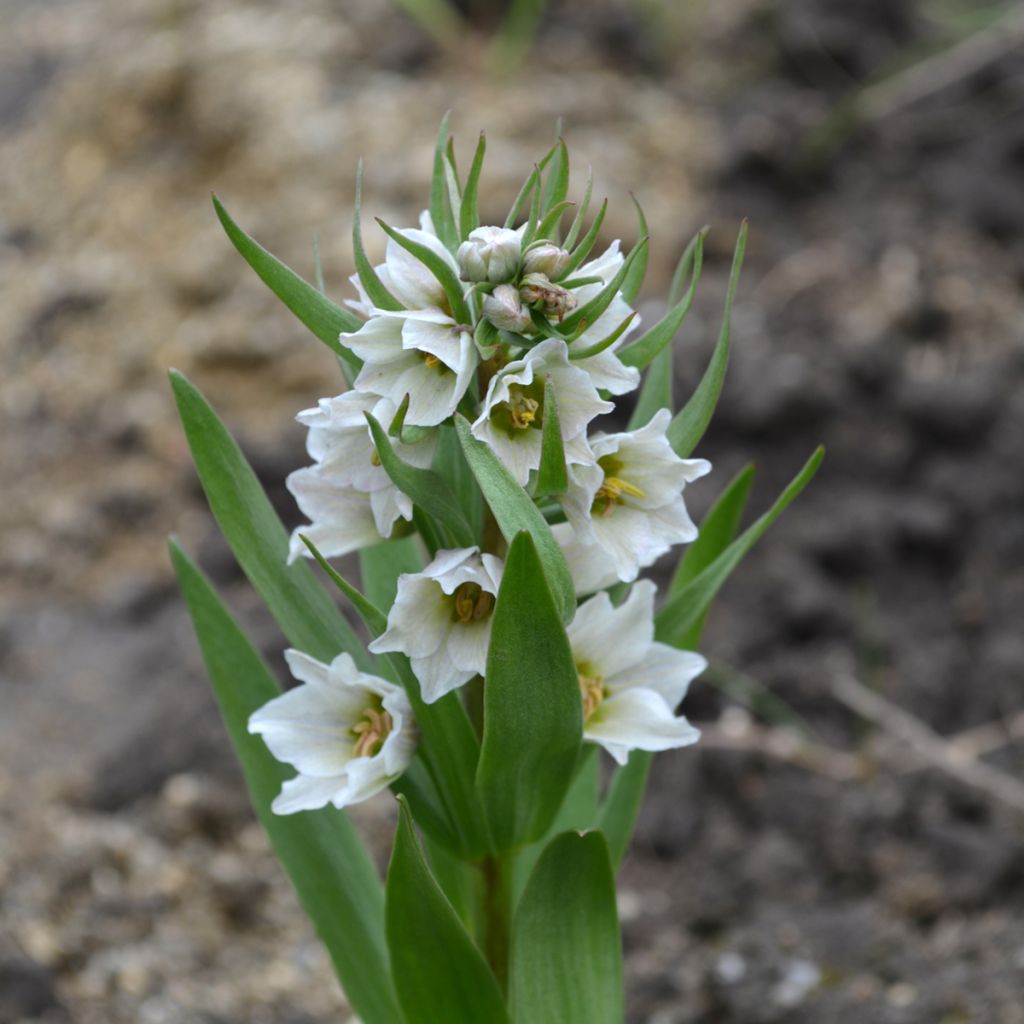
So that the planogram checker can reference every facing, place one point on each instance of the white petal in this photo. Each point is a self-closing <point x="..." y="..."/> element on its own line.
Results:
<point x="637" y="720"/>
<point x="664" y="669"/>
<point x="611" y="639"/>
<point x="438" y="674"/>
<point x="467" y="646"/>
<point x="605" y="266"/>
<point x="304" y="793"/>
<point x="406" y="278"/>
<point x="589" y="565"/>
<point x="419" y="621"/>
<point x="341" y="518"/>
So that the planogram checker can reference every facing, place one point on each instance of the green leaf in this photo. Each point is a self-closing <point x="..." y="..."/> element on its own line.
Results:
<point x="533" y="218"/>
<point x="685" y="607"/>
<point x="381" y="565"/>
<point x="374" y="618"/>
<point x="548" y="227"/>
<point x="622" y="804"/>
<point x="588" y="313"/>
<point x="581" y="213"/>
<point x="439" y="973"/>
<point x="372" y="285"/>
<point x="469" y="213"/>
<point x="320" y="850"/>
<point x="325" y="319"/>
<point x="641" y="352"/>
<point x="582" y="251"/>
<point x="444" y="274"/>
<point x="529" y="186"/>
<point x="452" y="466"/>
<point x="307" y="616"/>
<point x="688" y="426"/>
<point x="607" y="342"/>
<point x="533" y="717"/>
<point x="552" y="477"/>
<point x="440" y="211"/>
<point x="656" y="392"/>
<point x="426" y="488"/>
<point x="556" y="181"/>
<point x="635" y="278"/>
<point x="514" y="510"/>
<point x="566" y="962"/>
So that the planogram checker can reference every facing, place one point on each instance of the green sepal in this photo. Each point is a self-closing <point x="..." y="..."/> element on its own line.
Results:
<point x="686" y="607"/>
<point x="583" y="316"/>
<point x="566" y="956"/>
<point x="469" y="213"/>
<point x="323" y="317"/>
<point x="582" y="251"/>
<point x="426" y="489"/>
<point x="552" y="477"/>
<point x="688" y="425"/>
<point x="533" y="716"/>
<point x="372" y="284"/>
<point x="320" y="850"/>
<point x="439" y="973"/>
<point x="635" y="278"/>
<point x="307" y="616"/>
<point x="514" y="510"/>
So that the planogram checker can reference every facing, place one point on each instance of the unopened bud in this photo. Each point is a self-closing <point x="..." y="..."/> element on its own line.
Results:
<point x="556" y="301"/>
<point x="548" y="259"/>
<point x="489" y="254"/>
<point x="505" y="311"/>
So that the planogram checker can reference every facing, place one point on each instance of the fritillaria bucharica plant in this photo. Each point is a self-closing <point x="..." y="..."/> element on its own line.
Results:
<point x="501" y="529"/>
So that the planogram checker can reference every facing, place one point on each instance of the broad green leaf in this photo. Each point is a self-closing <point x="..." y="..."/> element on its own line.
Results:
<point x="588" y="313"/>
<point x="685" y="607"/>
<point x="556" y="181"/>
<point x="581" y="213"/>
<point x="325" y="319"/>
<point x="552" y="477"/>
<point x="469" y="213"/>
<point x="566" y="962"/>
<point x="320" y="850"/>
<point x="444" y="274"/>
<point x="688" y="426"/>
<point x="440" y="211"/>
<point x="459" y="880"/>
<point x="622" y="803"/>
<point x="372" y="284"/>
<point x="533" y="717"/>
<point x="426" y="488"/>
<point x="641" y="352"/>
<point x="381" y="565"/>
<point x="514" y="510"/>
<point x="582" y="251"/>
<point x="635" y="278"/>
<point x="307" y="616"/>
<point x="439" y="973"/>
<point x="656" y="391"/>
<point x="452" y="466"/>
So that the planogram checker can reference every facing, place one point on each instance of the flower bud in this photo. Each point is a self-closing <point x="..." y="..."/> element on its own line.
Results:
<point x="505" y="311"/>
<point x="489" y="254"/>
<point x="548" y="259"/>
<point x="556" y="301"/>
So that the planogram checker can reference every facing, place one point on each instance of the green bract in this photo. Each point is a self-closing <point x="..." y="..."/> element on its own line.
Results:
<point x="500" y="536"/>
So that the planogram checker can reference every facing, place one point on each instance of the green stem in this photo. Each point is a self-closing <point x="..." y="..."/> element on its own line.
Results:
<point x="497" y="913"/>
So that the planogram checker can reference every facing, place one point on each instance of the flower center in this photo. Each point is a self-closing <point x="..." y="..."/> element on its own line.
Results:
<point x="471" y="603"/>
<point x="523" y="410"/>
<point x="372" y="730"/>
<point x="592" y="689"/>
<point x="613" y="487"/>
<point x="431" y="360"/>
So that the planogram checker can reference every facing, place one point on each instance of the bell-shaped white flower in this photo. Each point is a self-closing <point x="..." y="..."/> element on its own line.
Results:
<point x="606" y="370"/>
<point x="349" y="734"/>
<point x="420" y="353"/>
<point x="339" y="439"/>
<point x="629" y="502"/>
<point x="490" y="254"/>
<point x="512" y="417"/>
<point x="630" y="684"/>
<point x="341" y="518"/>
<point x="589" y="566"/>
<point x="441" y="619"/>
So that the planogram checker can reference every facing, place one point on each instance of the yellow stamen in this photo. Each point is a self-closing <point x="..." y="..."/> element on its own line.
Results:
<point x="431" y="360"/>
<point x="371" y="731"/>
<point x="592" y="690"/>
<point x="472" y="603"/>
<point x="374" y="458"/>
<point x="523" y="411"/>
<point x="610" y="493"/>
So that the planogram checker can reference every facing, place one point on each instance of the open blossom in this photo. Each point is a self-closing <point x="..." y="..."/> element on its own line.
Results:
<point x="630" y="684"/>
<point x="348" y="733"/>
<point x="629" y="502"/>
<point x="512" y="418"/>
<point x="341" y="518"/>
<point x="441" y="619"/>
<point x="340" y="441"/>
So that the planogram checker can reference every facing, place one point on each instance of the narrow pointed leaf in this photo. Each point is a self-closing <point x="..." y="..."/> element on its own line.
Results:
<point x="376" y="621"/>
<point x="426" y="488"/>
<point x="582" y="251"/>
<point x="686" y="606"/>
<point x="320" y="850"/>
<point x="307" y="616"/>
<point x="533" y="717"/>
<point x="451" y="464"/>
<point x="588" y="313"/>
<point x="318" y="267"/>
<point x="381" y="565"/>
<point x="656" y="391"/>
<point x="622" y="803"/>
<point x="372" y="285"/>
<point x="641" y="352"/>
<point x="514" y="510"/>
<point x="600" y="346"/>
<point x="533" y="219"/>
<point x="635" y="278"/>
<point x="440" y="211"/>
<point x="556" y="182"/>
<point x="469" y="213"/>
<point x="566" y="962"/>
<point x="552" y="477"/>
<point x="522" y="198"/>
<point x="688" y="426"/>
<point x="548" y="227"/>
<point x="323" y="317"/>
<point x="439" y="973"/>
<point x="577" y="223"/>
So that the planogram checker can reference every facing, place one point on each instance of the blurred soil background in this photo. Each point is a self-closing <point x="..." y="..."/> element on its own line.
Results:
<point x="807" y="862"/>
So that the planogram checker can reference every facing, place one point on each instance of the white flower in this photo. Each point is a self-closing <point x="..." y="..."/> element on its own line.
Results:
<point x="490" y="254"/>
<point x="441" y="619"/>
<point x="629" y="683"/>
<point x="630" y="501"/>
<point x="340" y="441"/>
<point x="341" y="518"/>
<point x="348" y="733"/>
<point x="513" y="412"/>
<point x="505" y="310"/>
<point x="606" y="369"/>
<point x="589" y="565"/>
<point x="423" y="354"/>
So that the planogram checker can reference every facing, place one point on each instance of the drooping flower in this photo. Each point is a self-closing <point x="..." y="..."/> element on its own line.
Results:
<point x="629" y="502"/>
<point x="490" y="254"/>
<point x="630" y="684"/>
<point x="441" y="619"/>
<point x="348" y="733"/>
<point x="341" y="518"/>
<point x="512" y="417"/>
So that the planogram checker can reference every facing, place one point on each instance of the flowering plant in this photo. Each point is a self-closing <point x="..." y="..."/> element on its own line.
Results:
<point x="500" y="536"/>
